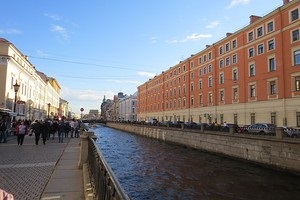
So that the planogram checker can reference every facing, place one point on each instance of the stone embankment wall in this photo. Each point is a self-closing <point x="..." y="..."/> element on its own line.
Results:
<point x="267" y="150"/>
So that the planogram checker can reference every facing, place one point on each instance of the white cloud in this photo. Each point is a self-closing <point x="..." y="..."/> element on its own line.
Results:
<point x="61" y="30"/>
<point x="53" y="16"/>
<point x="213" y="24"/>
<point x="125" y="81"/>
<point x="234" y="3"/>
<point x="192" y="37"/>
<point x="10" y="31"/>
<point x="147" y="74"/>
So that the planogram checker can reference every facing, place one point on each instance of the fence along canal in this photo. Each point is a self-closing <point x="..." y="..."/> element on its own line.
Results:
<point x="151" y="169"/>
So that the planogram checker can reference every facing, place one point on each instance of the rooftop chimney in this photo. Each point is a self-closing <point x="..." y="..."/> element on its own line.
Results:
<point x="253" y="18"/>
<point x="286" y="2"/>
<point x="228" y="34"/>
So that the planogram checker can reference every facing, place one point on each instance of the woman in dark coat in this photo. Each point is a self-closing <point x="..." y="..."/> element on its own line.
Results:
<point x="45" y="131"/>
<point x="37" y="129"/>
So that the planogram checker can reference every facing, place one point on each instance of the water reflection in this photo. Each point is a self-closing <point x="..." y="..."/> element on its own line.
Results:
<point x="151" y="169"/>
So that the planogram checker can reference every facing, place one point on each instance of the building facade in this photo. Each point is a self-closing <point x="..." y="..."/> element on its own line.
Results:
<point x="128" y="108"/>
<point x="37" y="95"/>
<point x="250" y="76"/>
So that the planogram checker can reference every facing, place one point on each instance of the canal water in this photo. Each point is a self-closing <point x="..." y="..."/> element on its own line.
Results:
<point x="152" y="169"/>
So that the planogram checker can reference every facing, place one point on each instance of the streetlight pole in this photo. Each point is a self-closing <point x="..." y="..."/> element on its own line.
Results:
<point x="16" y="89"/>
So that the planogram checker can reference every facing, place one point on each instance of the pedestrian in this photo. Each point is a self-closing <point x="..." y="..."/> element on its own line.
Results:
<point x="45" y="130"/>
<point x="54" y="128"/>
<point x="3" y="130"/>
<point x="21" y="131"/>
<point x="37" y="129"/>
<point x="61" y="131"/>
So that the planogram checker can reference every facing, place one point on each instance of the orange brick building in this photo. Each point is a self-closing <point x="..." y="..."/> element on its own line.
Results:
<point x="250" y="76"/>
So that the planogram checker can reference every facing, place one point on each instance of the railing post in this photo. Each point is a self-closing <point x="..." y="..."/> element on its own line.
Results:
<point x="202" y="128"/>
<point x="231" y="129"/>
<point x="279" y="132"/>
<point x="84" y="147"/>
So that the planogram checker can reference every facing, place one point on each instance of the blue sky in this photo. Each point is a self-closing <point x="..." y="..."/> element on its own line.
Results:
<point x="101" y="47"/>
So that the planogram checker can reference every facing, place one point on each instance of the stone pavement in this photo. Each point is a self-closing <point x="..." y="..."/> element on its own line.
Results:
<point x="44" y="172"/>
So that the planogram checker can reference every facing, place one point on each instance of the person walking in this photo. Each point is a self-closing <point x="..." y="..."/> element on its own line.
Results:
<point x="21" y="131"/>
<point x="45" y="130"/>
<point x="61" y="131"/>
<point x="3" y="130"/>
<point x="37" y="129"/>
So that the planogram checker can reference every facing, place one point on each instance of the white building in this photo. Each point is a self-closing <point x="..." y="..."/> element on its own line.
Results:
<point x="128" y="108"/>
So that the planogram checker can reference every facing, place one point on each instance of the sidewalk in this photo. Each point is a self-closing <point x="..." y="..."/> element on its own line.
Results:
<point x="44" y="172"/>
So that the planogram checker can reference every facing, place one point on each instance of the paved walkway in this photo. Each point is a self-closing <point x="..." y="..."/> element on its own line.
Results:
<point x="34" y="172"/>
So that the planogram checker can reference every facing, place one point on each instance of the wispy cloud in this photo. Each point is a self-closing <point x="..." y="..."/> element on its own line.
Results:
<point x="53" y="16"/>
<point x="147" y="74"/>
<point x="234" y="3"/>
<point x="125" y="81"/>
<point x="192" y="37"/>
<point x="60" y="30"/>
<point x="10" y="31"/>
<point x="213" y="24"/>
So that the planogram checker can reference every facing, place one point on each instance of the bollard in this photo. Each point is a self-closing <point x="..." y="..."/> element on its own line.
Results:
<point x="279" y="132"/>
<point x="202" y="128"/>
<point x="231" y="129"/>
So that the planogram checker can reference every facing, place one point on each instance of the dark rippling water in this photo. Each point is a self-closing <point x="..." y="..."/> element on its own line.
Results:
<point x="151" y="169"/>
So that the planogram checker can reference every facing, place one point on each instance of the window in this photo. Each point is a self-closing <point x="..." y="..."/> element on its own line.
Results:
<point x="210" y="99"/>
<point x="295" y="35"/>
<point x="298" y="118"/>
<point x="200" y="84"/>
<point x="221" y="78"/>
<point x="192" y="101"/>
<point x="183" y="89"/>
<point x="260" y="48"/>
<point x="209" y="56"/>
<point x="297" y="83"/>
<point x="192" y="75"/>
<point x="252" y="90"/>
<point x="204" y="70"/>
<point x="252" y="70"/>
<point x="234" y="59"/>
<point x="271" y="44"/>
<point x="252" y="118"/>
<point x="221" y="95"/>
<point x="227" y="47"/>
<point x="192" y="87"/>
<point x="204" y="58"/>
<point x="227" y="61"/>
<point x="235" y="93"/>
<point x="273" y="118"/>
<point x="192" y="64"/>
<point x="184" y="68"/>
<point x="294" y="15"/>
<point x="209" y="68"/>
<point x="270" y="26"/>
<point x="200" y="99"/>
<point x="272" y="66"/>
<point x="297" y="57"/>
<point x="221" y="50"/>
<point x="210" y="82"/>
<point x="272" y="87"/>
<point x="200" y="60"/>
<point x="200" y="72"/>
<point x="235" y="74"/>
<point x="234" y="44"/>
<point x="251" y="52"/>
<point x="250" y="36"/>
<point x="259" y="31"/>
<point x="221" y="65"/>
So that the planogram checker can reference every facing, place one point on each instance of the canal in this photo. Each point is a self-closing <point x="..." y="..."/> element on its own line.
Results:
<point x="152" y="169"/>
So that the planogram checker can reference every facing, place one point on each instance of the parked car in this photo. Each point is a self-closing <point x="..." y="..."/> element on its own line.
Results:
<point x="291" y="132"/>
<point x="261" y="129"/>
<point x="192" y="125"/>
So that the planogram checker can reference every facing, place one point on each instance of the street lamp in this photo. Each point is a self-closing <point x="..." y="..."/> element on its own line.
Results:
<point x="49" y="109"/>
<point x="16" y="88"/>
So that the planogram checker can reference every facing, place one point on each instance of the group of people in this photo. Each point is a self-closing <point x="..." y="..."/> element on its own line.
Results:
<point x="41" y="129"/>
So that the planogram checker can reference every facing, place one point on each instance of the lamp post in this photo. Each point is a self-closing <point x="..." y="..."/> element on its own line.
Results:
<point x="16" y="89"/>
<point x="49" y="109"/>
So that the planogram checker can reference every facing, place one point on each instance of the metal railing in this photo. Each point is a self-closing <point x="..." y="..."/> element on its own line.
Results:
<point x="104" y="183"/>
